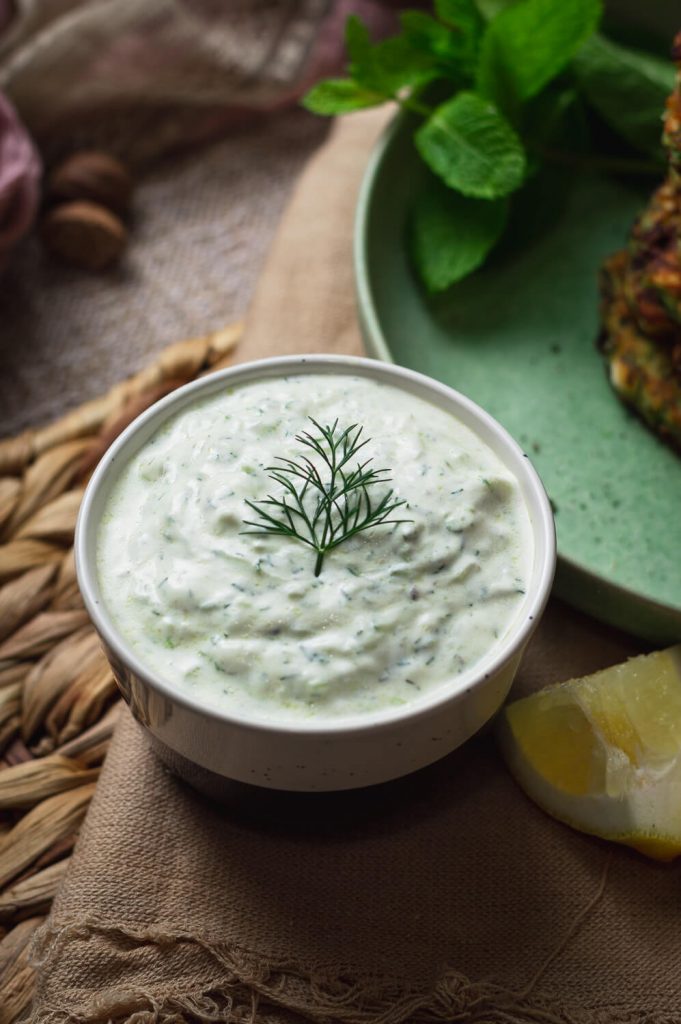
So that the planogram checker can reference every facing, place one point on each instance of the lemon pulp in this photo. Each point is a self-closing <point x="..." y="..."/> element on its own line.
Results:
<point x="603" y="753"/>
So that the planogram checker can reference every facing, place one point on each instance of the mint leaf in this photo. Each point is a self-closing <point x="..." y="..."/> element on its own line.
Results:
<point x="340" y="96"/>
<point x="397" y="64"/>
<point x="403" y="61"/>
<point x="468" y="144"/>
<point x="427" y="33"/>
<point x="458" y="13"/>
<point x="627" y="88"/>
<point x="490" y="8"/>
<point x="451" y="234"/>
<point x="453" y="49"/>
<point x="528" y="44"/>
<point x="466" y="26"/>
<point x="358" y="44"/>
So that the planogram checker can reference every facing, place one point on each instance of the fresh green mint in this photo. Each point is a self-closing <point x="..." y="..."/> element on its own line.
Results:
<point x="528" y="44"/>
<point x="500" y="87"/>
<point x="628" y="88"/>
<point x="451" y="234"/>
<point x="343" y="95"/>
<point x="472" y="147"/>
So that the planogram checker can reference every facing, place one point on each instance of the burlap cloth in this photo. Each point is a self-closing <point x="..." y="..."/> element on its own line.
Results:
<point x="444" y="896"/>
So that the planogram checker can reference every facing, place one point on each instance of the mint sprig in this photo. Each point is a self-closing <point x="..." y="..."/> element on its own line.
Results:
<point x="517" y="82"/>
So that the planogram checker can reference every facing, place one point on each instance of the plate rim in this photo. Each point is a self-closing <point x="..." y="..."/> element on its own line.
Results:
<point x="660" y="621"/>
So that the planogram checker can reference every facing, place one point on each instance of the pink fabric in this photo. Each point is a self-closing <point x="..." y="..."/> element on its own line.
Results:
<point x="20" y="171"/>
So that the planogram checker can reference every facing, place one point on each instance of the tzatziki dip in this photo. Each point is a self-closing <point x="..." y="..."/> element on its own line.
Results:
<point x="258" y="623"/>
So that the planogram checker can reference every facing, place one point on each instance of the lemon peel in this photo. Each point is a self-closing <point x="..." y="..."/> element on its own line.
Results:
<point x="602" y="753"/>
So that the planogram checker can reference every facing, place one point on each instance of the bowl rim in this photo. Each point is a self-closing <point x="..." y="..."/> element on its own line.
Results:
<point x="511" y="644"/>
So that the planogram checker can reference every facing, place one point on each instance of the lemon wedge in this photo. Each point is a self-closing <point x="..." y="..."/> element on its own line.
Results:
<point x="603" y="753"/>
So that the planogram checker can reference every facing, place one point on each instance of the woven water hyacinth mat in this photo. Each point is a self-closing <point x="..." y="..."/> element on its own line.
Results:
<point x="58" y="699"/>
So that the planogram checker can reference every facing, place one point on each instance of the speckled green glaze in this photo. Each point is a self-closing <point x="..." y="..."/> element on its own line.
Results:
<point x="518" y="338"/>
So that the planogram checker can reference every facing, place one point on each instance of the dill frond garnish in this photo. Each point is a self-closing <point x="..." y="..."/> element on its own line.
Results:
<point x="325" y="501"/>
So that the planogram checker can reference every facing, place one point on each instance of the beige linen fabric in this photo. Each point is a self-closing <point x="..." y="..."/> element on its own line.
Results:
<point x="445" y="896"/>
<point x="305" y="301"/>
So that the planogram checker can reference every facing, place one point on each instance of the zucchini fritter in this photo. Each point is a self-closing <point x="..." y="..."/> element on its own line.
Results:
<point x="641" y="297"/>
<point x="644" y="371"/>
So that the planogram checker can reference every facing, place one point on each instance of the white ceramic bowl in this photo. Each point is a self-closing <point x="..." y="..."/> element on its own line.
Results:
<point x="208" y="746"/>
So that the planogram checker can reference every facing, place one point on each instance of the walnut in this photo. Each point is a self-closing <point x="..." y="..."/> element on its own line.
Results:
<point x="97" y="177"/>
<point x="85" y="235"/>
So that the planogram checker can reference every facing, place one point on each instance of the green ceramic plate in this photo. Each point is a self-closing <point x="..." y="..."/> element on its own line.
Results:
<point x="518" y="338"/>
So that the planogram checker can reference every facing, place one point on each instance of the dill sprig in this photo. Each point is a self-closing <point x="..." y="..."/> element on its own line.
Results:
<point x="325" y="502"/>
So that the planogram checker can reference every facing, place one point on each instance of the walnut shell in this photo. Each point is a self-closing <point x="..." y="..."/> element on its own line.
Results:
<point x="85" y="235"/>
<point x="94" y="176"/>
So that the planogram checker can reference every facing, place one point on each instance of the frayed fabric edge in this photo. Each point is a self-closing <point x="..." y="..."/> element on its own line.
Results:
<point x="250" y="992"/>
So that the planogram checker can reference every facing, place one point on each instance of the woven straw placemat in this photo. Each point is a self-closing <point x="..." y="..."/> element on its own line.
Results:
<point x="58" y="700"/>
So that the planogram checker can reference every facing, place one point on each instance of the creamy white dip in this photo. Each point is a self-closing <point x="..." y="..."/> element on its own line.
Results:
<point x="240" y="622"/>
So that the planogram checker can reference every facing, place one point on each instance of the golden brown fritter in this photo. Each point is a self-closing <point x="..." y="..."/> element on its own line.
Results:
<point x="641" y="297"/>
<point x="653" y="279"/>
<point x="645" y="372"/>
